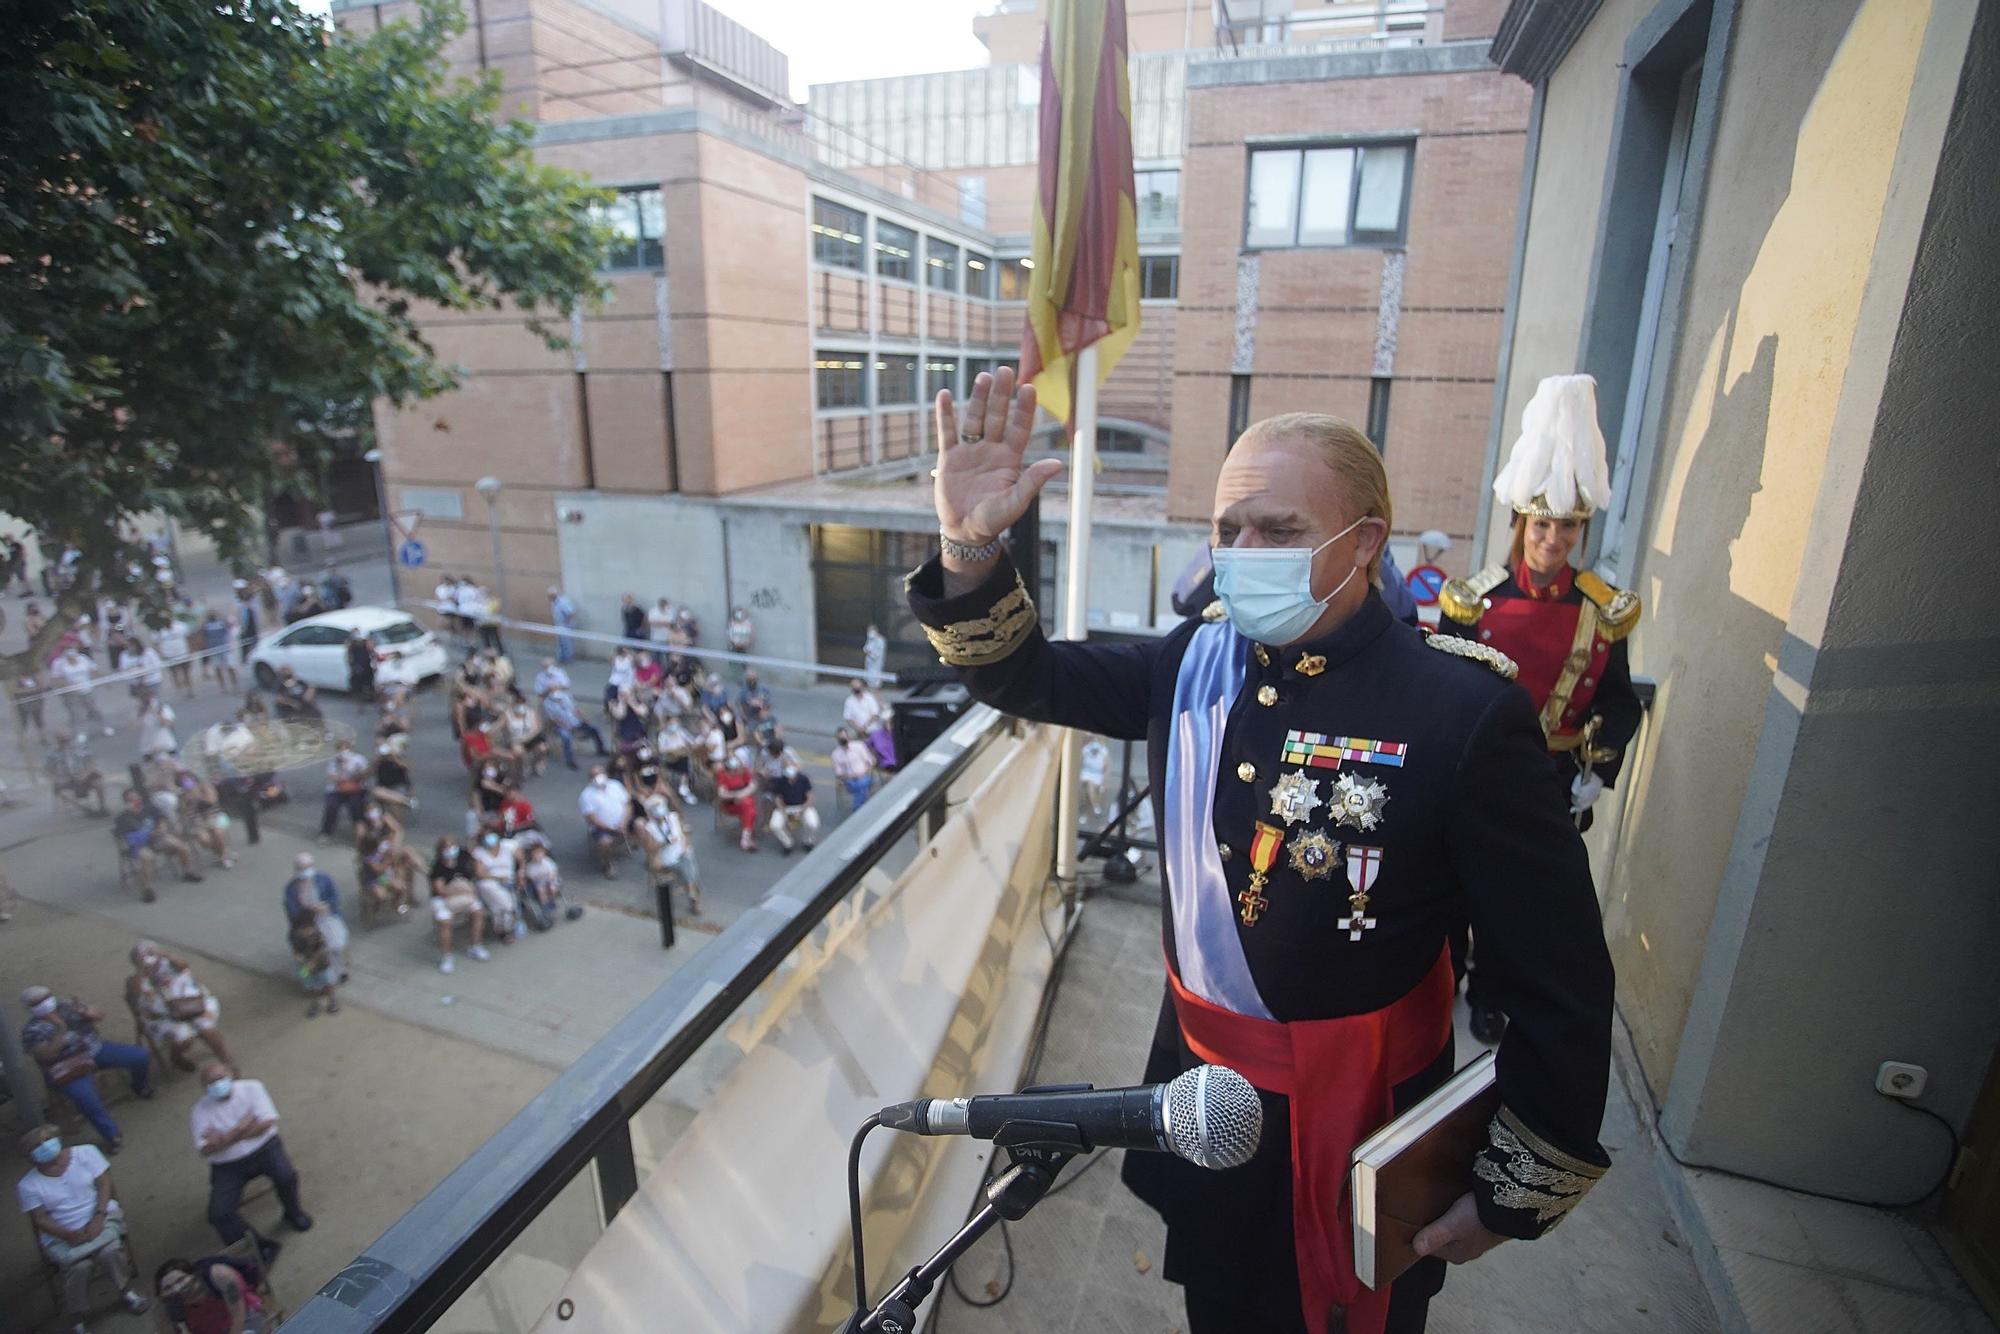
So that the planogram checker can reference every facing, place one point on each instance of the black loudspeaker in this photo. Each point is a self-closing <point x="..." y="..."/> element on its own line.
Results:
<point x="923" y="714"/>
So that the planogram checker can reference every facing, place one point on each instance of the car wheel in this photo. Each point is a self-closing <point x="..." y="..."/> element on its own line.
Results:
<point x="266" y="678"/>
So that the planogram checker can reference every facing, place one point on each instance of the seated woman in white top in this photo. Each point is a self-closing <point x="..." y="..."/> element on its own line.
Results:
<point x="67" y="1196"/>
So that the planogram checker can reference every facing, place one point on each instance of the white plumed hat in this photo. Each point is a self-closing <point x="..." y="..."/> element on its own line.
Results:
<point x="1556" y="469"/>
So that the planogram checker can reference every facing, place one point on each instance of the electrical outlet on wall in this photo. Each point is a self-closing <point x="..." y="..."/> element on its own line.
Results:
<point x="1900" y="1079"/>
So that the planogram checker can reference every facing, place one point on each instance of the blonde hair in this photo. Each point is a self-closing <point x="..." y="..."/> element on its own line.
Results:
<point x="1356" y="465"/>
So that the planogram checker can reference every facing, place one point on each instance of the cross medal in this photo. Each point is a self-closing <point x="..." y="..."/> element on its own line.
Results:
<point x="1357" y="919"/>
<point x="1263" y="852"/>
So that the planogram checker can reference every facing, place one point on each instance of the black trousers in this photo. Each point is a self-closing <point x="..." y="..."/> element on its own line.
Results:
<point x="1211" y="1312"/>
<point x="227" y="1180"/>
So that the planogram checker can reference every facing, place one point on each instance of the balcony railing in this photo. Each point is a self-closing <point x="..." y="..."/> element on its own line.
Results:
<point x="570" y="1152"/>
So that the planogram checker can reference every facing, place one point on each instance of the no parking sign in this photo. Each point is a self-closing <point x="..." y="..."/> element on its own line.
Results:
<point x="1425" y="583"/>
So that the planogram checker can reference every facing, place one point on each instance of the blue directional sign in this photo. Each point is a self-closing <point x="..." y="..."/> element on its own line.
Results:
<point x="410" y="554"/>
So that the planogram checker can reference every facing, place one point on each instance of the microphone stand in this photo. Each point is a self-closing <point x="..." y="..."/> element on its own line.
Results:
<point x="1037" y="1152"/>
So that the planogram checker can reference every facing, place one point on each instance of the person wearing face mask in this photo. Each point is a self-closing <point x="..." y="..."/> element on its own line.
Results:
<point x="69" y="1199"/>
<point x="496" y="865"/>
<point x="1335" y="794"/>
<point x="453" y="897"/>
<point x="235" y="1128"/>
<point x="606" y="808"/>
<point x="792" y="808"/>
<point x="61" y="1035"/>
<point x="1567" y="628"/>
<point x="736" y="799"/>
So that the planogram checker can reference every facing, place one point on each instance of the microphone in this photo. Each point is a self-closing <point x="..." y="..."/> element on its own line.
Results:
<point x="1209" y="1115"/>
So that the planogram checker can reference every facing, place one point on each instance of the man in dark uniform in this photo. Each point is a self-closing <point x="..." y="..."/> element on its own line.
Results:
<point x="1566" y="629"/>
<point x="1335" y="792"/>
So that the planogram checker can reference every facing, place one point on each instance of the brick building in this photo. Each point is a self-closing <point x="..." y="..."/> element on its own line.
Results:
<point x="1327" y="200"/>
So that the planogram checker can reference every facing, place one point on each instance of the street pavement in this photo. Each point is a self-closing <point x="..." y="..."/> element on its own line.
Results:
<point x="419" y="1067"/>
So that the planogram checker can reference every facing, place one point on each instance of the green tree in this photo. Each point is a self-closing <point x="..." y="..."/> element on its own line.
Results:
<point x="217" y="219"/>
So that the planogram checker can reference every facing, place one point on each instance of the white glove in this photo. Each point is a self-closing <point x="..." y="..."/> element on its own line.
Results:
<point x="1584" y="790"/>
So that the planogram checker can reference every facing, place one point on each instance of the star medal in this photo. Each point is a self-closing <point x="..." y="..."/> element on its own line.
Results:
<point x="1294" y="798"/>
<point x="1357" y="802"/>
<point x="1263" y="853"/>
<point x="1314" y="855"/>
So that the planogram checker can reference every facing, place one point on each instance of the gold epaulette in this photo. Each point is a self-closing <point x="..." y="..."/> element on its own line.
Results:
<point x="1213" y="612"/>
<point x="987" y="639"/>
<point x="1464" y="600"/>
<point x="1617" y="608"/>
<point x="1478" y="652"/>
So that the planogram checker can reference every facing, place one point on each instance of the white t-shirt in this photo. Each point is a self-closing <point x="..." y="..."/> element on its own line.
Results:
<point x="496" y="863"/>
<point x="623" y="671"/>
<point x="659" y="621"/>
<point x="860" y="711"/>
<point x="247" y="1100"/>
<point x="1095" y="757"/>
<point x="74" y="669"/>
<point x="666" y="831"/>
<point x="173" y="640"/>
<point x="70" y="1198"/>
<point x="542" y="875"/>
<point x="609" y="805"/>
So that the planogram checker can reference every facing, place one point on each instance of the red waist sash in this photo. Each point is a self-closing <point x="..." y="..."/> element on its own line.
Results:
<point x="1339" y="1074"/>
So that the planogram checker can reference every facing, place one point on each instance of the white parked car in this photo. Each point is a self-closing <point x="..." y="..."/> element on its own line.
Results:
<point x="316" y="649"/>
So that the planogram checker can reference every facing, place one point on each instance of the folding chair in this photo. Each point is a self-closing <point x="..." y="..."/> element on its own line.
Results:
<point x="53" y="1272"/>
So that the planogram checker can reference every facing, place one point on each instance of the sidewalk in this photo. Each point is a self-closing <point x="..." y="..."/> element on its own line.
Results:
<point x="374" y="1110"/>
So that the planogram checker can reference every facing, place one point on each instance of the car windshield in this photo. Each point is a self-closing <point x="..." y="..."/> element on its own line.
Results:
<point x="400" y="632"/>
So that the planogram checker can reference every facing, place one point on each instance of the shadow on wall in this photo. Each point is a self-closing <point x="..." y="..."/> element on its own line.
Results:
<point x="1812" y="106"/>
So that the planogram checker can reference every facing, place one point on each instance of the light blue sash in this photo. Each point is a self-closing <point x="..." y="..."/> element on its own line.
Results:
<point x="1212" y="965"/>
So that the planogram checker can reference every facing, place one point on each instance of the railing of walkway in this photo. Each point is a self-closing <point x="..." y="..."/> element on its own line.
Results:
<point x="575" y="1140"/>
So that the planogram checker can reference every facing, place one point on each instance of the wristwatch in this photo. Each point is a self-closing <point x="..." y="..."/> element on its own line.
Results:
<point x="971" y="555"/>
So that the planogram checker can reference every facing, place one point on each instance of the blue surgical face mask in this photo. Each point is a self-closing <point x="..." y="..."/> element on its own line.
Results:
<point x="47" y="1151"/>
<point x="1267" y="591"/>
<point x="220" y="1088"/>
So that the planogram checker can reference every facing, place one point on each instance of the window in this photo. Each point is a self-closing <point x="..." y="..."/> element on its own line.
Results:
<point x="972" y="200"/>
<point x="979" y="275"/>
<point x="838" y="381"/>
<point x="940" y="264"/>
<point x="1378" y="412"/>
<point x="1159" y="198"/>
<point x="638" y="223"/>
<point x="1014" y="278"/>
<point x="1159" y="277"/>
<point x="895" y="251"/>
<point x="314" y="636"/>
<point x="1239" y="408"/>
<point x="1350" y="195"/>
<point x="975" y="367"/>
<point x="940" y="374"/>
<point x="895" y="380"/>
<point x="837" y="233"/>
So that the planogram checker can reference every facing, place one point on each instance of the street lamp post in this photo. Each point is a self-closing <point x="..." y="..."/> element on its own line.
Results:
<point x="489" y="487"/>
<point x="373" y="458"/>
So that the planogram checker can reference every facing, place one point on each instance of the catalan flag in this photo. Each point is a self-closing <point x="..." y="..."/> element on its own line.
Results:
<point x="1316" y="750"/>
<point x="1084" y="287"/>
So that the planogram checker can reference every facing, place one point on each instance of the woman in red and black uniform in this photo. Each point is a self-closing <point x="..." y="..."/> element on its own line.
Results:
<point x="1564" y="628"/>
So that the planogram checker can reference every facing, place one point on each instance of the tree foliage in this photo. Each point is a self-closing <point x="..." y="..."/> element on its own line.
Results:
<point x="216" y="219"/>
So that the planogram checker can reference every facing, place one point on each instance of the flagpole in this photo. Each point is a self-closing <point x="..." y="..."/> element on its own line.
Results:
<point x="1076" y="593"/>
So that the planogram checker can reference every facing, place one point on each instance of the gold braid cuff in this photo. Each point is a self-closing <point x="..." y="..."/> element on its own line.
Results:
<point x="987" y="639"/>
<point x="1468" y="648"/>
<point x="1531" y="1173"/>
